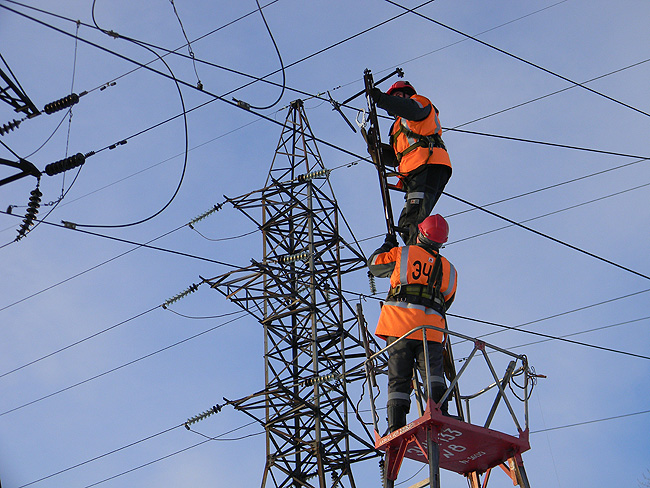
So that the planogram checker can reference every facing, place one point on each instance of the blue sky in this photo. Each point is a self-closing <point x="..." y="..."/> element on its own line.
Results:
<point x="142" y="378"/>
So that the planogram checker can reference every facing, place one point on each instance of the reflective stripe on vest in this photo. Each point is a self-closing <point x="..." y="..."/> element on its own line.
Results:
<point x="452" y="281"/>
<point x="413" y="306"/>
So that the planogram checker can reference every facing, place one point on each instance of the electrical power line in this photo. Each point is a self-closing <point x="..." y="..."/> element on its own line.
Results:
<point x="518" y="58"/>
<point x="123" y="365"/>
<point x="88" y="461"/>
<point x="577" y="424"/>
<point x="518" y="328"/>
<point x="546" y="236"/>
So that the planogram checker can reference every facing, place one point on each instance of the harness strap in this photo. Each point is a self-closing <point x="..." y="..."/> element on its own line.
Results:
<point x="419" y="294"/>
<point x="430" y="141"/>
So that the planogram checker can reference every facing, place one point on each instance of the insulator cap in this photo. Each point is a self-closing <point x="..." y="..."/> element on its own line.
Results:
<point x="65" y="164"/>
<point x="62" y="103"/>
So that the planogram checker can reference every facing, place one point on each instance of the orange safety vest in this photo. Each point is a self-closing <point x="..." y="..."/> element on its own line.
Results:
<point x="419" y="142"/>
<point x="413" y="266"/>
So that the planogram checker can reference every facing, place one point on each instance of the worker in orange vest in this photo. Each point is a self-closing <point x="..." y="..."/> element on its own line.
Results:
<point x="422" y="287"/>
<point x="416" y="147"/>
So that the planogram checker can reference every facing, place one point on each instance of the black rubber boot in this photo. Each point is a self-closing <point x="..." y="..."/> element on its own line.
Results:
<point x="396" y="417"/>
<point x="436" y="394"/>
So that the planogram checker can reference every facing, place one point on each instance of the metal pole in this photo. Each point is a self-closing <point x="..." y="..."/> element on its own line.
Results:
<point x="434" y="460"/>
<point x="374" y="143"/>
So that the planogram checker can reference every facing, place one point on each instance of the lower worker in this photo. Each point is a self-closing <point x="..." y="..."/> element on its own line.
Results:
<point x="422" y="287"/>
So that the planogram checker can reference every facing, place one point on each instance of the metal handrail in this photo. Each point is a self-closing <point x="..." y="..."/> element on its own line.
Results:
<point x="479" y="345"/>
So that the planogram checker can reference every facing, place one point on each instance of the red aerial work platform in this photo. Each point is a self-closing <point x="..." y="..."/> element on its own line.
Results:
<point x="458" y="446"/>
<point x="455" y="443"/>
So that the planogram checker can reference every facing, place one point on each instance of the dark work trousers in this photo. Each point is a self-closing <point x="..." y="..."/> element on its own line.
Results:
<point x="423" y="189"/>
<point x="402" y="360"/>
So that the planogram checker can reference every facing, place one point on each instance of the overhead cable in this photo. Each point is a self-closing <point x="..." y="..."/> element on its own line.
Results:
<point x="548" y="336"/>
<point x="518" y="58"/>
<point x="558" y="241"/>
<point x="123" y="365"/>
<point x="577" y="424"/>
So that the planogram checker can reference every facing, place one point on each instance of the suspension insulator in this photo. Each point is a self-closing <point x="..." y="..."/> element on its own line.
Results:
<point x="9" y="126"/>
<point x="291" y="258"/>
<point x="321" y="379"/>
<point x="203" y="415"/>
<point x="62" y="103"/>
<point x="371" y="280"/>
<point x="205" y="214"/>
<point x="65" y="164"/>
<point x="180" y="295"/>
<point x="314" y="175"/>
<point x="30" y="215"/>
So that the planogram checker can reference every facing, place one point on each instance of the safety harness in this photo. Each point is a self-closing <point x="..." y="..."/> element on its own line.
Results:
<point x="416" y="140"/>
<point x="428" y="295"/>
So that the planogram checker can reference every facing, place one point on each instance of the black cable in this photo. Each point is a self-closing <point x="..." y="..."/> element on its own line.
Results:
<point x="548" y="336"/>
<point x="184" y="114"/>
<point x="550" y="94"/>
<point x="573" y="180"/>
<point x="199" y="85"/>
<point x="231" y="439"/>
<point x="226" y="238"/>
<point x="551" y="213"/>
<point x="565" y="146"/>
<point x="277" y="50"/>
<point x="139" y="244"/>
<point x="558" y="241"/>
<point x="519" y="58"/>
<point x="148" y="464"/>
<point x="87" y="461"/>
<point x="170" y="455"/>
<point x="571" y="311"/>
<point x="584" y="331"/>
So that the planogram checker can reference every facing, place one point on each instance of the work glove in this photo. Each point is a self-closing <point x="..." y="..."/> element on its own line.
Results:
<point x="387" y="155"/>
<point x="375" y="94"/>
<point x="391" y="239"/>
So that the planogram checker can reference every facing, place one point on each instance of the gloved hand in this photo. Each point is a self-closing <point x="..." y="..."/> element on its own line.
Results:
<point x="391" y="239"/>
<point x="387" y="155"/>
<point x="375" y="94"/>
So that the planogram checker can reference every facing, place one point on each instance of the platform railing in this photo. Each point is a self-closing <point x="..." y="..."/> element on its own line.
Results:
<point x="518" y="365"/>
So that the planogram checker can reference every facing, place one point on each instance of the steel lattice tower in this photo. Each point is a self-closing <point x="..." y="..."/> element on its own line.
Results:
<point x="310" y="330"/>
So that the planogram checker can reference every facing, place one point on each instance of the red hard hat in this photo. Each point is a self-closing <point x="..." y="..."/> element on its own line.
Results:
<point x="401" y="85"/>
<point x="435" y="228"/>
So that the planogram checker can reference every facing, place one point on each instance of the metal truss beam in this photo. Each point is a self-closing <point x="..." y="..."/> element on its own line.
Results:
<point x="310" y="329"/>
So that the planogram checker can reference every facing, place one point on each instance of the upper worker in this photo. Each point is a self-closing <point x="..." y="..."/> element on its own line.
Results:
<point x="424" y="164"/>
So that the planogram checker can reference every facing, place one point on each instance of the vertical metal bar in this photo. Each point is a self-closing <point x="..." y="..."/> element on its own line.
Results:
<point x="374" y="144"/>
<point x="504" y="383"/>
<point x="434" y="460"/>
<point x="525" y="366"/>
<point x="503" y="393"/>
<point x="368" y="366"/>
<point x="426" y="365"/>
